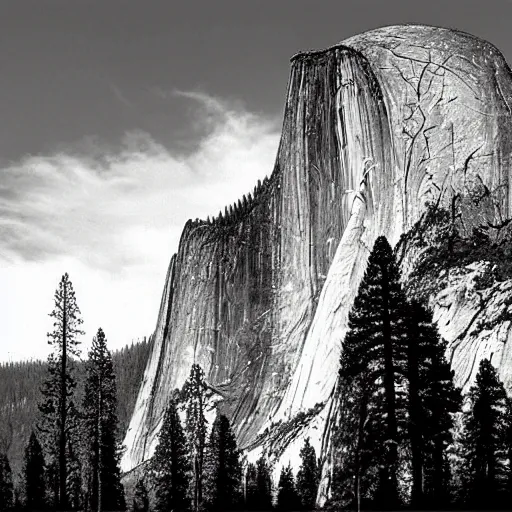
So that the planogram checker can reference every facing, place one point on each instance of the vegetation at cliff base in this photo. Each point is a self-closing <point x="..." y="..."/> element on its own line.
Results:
<point x="170" y="466"/>
<point x="403" y="437"/>
<point x="20" y="384"/>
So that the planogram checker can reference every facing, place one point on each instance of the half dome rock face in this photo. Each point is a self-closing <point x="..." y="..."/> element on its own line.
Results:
<point x="402" y="131"/>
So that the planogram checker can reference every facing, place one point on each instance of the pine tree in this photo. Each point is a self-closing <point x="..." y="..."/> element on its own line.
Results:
<point x="170" y="465"/>
<point x="440" y="400"/>
<point x="74" y="475"/>
<point x="356" y="454"/>
<point x="140" y="497"/>
<point x="34" y="475"/>
<point x="6" y="486"/>
<point x="52" y="484"/>
<point x="222" y="483"/>
<point x="483" y="444"/>
<point x="104" y="489"/>
<point x="263" y="484"/>
<point x="376" y="347"/>
<point x="251" y="487"/>
<point x="287" y="498"/>
<point x="308" y="476"/>
<point x="57" y="407"/>
<point x="194" y="392"/>
<point x="432" y="399"/>
<point x="258" y="494"/>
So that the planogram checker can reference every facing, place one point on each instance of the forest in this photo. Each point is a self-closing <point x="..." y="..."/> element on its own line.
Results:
<point x="405" y="436"/>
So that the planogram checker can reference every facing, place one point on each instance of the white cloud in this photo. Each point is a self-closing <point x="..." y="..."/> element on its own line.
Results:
<point x="113" y="219"/>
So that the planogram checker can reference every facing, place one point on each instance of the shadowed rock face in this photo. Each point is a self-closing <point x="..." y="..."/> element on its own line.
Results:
<point x="375" y="129"/>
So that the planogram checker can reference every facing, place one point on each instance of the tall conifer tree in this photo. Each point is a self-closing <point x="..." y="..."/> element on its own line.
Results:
<point x="104" y="489"/>
<point x="396" y="391"/>
<point x="258" y="486"/>
<point x="222" y="469"/>
<point x="432" y="399"/>
<point x="263" y="484"/>
<point x="308" y="476"/>
<point x="194" y="392"/>
<point x="439" y="400"/>
<point x="58" y="411"/>
<point x="170" y="465"/>
<point x="483" y="443"/>
<point x="287" y="498"/>
<point x="376" y="346"/>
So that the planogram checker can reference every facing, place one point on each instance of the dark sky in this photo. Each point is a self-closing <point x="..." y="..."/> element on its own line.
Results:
<point x="71" y="69"/>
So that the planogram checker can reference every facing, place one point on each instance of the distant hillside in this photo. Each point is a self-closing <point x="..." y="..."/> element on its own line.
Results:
<point x="20" y="385"/>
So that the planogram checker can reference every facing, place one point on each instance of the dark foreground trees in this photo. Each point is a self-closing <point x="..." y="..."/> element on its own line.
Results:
<point x="6" y="487"/>
<point x="100" y="427"/>
<point x="308" y="476"/>
<point x="258" y="486"/>
<point x="170" y="465"/>
<point x="437" y="401"/>
<point x="373" y="364"/>
<point x="34" y="475"/>
<point x="396" y="394"/>
<point x="222" y="469"/>
<point x="194" y="392"/>
<point x="485" y="444"/>
<point x="59" y="415"/>
<point x="287" y="497"/>
<point x="140" y="497"/>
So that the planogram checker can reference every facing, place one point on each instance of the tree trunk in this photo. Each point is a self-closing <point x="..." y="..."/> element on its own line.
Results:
<point x="414" y="423"/>
<point x="63" y="409"/>
<point x="363" y="411"/>
<point x="100" y="461"/>
<point x="196" y="475"/>
<point x="391" y="486"/>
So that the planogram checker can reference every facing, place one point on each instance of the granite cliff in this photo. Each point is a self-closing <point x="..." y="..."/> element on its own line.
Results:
<point x="403" y="131"/>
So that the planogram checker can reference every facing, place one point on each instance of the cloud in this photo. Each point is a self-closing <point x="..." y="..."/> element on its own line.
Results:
<point x="115" y="216"/>
<point x="119" y="95"/>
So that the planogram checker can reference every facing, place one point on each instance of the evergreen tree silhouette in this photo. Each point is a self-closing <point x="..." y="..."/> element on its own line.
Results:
<point x="483" y="443"/>
<point x="251" y="487"/>
<point x="170" y="465"/>
<point x="6" y="486"/>
<point x="222" y="469"/>
<point x="258" y="486"/>
<point x="432" y="399"/>
<point x="34" y="475"/>
<point x="308" y="476"/>
<point x="74" y="475"/>
<point x="376" y="346"/>
<point x="263" y="484"/>
<point x="287" y="498"/>
<point x="140" y="497"/>
<point x="58" y="411"/>
<point x="357" y="456"/>
<point x="194" y="392"/>
<point x="100" y="422"/>
<point x="439" y="400"/>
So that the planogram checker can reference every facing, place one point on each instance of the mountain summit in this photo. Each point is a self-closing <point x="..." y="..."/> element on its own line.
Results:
<point x="403" y="131"/>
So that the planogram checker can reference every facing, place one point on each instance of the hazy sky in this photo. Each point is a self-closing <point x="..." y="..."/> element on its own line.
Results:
<point x="120" y="119"/>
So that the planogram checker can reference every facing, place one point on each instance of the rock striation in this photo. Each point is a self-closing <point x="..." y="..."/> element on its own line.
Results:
<point x="378" y="131"/>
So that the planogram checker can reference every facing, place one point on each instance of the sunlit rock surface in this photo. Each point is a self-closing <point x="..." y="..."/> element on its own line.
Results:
<point x="375" y="128"/>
